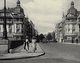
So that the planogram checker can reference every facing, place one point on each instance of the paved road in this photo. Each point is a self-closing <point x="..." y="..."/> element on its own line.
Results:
<point x="66" y="51"/>
<point x="55" y="53"/>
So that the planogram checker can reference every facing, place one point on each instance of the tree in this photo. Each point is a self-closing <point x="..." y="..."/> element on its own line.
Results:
<point x="41" y="37"/>
<point x="49" y="37"/>
<point x="37" y="38"/>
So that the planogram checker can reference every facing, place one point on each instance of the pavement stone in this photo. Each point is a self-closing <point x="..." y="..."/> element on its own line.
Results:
<point x="21" y="53"/>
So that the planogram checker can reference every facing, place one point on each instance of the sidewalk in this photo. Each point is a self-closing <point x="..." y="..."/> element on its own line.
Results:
<point x="71" y="43"/>
<point x="21" y="53"/>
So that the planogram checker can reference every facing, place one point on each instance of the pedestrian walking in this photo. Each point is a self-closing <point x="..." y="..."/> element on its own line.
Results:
<point x="24" y="44"/>
<point x="33" y="44"/>
<point x="27" y="44"/>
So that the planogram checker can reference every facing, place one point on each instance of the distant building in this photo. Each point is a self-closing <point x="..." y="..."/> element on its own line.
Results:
<point x="69" y="27"/>
<point x="53" y="35"/>
<point x="59" y="32"/>
<point x="14" y="20"/>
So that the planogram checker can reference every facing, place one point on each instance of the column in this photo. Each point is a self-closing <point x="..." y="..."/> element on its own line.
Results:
<point x="13" y="28"/>
<point x="7" y="28"/>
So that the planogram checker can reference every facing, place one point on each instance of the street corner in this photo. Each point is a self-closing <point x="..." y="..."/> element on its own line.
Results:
<point x="23" y="54"/>
<point x="19" y="56"/>
<point x="38" y="49"/>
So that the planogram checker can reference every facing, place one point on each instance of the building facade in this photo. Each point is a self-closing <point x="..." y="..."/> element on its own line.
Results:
<point x="69" y="29"/>
<point x="15" y="19"/>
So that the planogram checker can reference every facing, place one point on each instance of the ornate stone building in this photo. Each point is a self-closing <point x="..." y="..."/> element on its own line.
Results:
<point x="69" y="28"/>
<point x="15" y="19"/>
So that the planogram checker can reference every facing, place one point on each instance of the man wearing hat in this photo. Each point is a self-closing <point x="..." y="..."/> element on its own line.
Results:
<point x="26" y="44"/>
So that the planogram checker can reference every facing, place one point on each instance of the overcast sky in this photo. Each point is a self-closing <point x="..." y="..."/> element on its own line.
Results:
<point x="45" y="14"/>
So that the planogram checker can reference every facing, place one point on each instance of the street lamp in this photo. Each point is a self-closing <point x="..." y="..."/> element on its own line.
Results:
<point x="4" y="28"/>
<point x="4" y="25"/>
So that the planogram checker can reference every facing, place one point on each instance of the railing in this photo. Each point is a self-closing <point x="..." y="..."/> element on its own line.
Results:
<point x="18" y="22"/>
<point x="70" y="34"/>
<point x="71" y="22"/>
<point x="16" y="34"/>
<point x="8" y="34"/>
<point x="1" y="22"/>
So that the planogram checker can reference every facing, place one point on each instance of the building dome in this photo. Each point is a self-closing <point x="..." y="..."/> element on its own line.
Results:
<point x="18" y="6"/>
<point x="18" y="10"/>
<point x="18" y="2"/>
<point x="72" y="3"/>
<point x="72" y="10"/>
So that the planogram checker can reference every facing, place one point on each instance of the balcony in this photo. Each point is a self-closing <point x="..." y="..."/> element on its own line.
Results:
<point x="70" y="16"/>
<point x="70" y="22"/>
<point x="70" y="34"/>
<point x="8" y="34"/>
<point x="18" y="34"/>
<point x="8" y="22"/>
<point x="18" y="21"/>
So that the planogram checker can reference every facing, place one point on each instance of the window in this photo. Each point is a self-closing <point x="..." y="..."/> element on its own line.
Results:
<point x="18" y="31"/>
<point x="79" y="25"/>
<point x="10" y="28"/>
<point x="17" y="19"/>
<point x="65" y="37"/>
<point x="1" y="19"/>
<point x="68" y="38"/>
<point x="0" y="28"/>
<point x="73" y="28"/>
<point x="18" y="37"/>
<point x="17" y="26"/>
<point x="68" y="29"/>
<point x="2" y="14"/>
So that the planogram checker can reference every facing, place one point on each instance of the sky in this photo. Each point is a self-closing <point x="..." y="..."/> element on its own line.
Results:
<point x="45" y="14"/>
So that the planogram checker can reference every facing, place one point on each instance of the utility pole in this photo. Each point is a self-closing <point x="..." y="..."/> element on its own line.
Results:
<point x="4" y="25"/>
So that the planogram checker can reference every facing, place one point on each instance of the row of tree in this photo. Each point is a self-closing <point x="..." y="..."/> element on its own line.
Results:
<point x="48" y="38"/>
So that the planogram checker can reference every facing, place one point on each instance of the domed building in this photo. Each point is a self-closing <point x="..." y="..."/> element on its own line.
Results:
<point x="16" y="28"/>
<point x="72" y="10"/>
<point x="70" y="25"/>
<point x="14" y="22"/>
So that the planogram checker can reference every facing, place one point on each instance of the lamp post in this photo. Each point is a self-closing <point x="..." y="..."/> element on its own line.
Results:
<point x="4" y="25"/>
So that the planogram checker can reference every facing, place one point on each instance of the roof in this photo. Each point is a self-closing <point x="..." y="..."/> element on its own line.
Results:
<point x="18" y="11"/>
<point x="72" y="9"/>
<point x="2" y="10"/>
